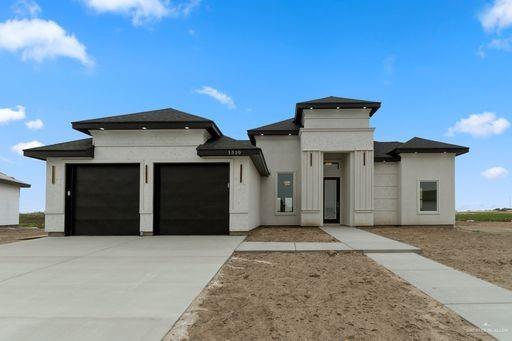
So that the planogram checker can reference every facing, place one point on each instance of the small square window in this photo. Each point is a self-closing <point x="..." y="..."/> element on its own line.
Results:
<point x="284" y="200"/>
<point x="428" y="196"/>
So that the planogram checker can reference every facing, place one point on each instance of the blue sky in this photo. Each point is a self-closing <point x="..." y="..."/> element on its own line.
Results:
<point x="430" y="63"/>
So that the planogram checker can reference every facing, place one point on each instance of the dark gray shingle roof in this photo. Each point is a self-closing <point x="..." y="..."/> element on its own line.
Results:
<point x="337" y="100"/>
<point x="382" y="150"/>
<point x="420" y="145"/>
<point x="78" y="148"/>
<point x="227" y="146"/>
<point x="6" y="179"/>
<point x="333" y="102"/>
<point x="168" y="118"/>
<point x="226" y="142"/>
<point x="161" y="115"/>
<point x="286" y="127"/>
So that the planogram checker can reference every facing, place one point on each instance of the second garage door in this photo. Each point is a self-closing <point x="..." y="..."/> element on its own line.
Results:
<point x="192" y="199"/>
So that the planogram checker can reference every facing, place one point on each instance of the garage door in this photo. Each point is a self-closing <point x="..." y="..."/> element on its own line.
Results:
<point x="192" y="198"/>
<point x="102" y="199"/>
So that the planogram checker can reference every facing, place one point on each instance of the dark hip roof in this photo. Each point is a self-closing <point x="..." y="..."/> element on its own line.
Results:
<point x="77" y="148"/>
<point x="286" y="127"/>
<point x="226" y="146"/>
<point x="333" y="102"/>
<point x="168" y="118"/>
<point x="390" y="151"/>
<point x="9" y="180"/>
<point x="419" y="145"/>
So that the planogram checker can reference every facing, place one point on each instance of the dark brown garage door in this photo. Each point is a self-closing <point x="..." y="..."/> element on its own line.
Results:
<point x="102" y="199"/>
<point x="192" y="198"/>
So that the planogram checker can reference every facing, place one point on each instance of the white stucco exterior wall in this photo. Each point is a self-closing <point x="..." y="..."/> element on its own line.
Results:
<point x="336" y="118"/>
<point x="147" y="148"/>
<point x="282" y="154"/>
<point x="9" y="204"/>
<point x="386" y="193"/>
<point x="421" y="166"/>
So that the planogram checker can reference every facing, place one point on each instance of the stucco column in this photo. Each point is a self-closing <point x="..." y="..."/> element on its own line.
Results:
<point x="363" y="187"/>
<point x="311" y="188"/>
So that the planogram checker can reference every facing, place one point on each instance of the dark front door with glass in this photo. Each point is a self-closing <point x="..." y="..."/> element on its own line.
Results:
<point x="332" y="200"/>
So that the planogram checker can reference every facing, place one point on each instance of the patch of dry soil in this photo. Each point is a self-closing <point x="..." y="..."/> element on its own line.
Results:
<point x="475" y="248"/>
<point x="315" y="296"/>
<point x="288" y="234"/>
<point x="12" y="234"/>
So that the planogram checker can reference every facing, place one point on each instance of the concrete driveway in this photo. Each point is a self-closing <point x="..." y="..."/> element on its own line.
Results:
<point x="103" y="288"/>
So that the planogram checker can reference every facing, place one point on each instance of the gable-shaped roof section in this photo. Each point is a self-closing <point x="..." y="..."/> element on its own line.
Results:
<point x="419" y="145"/>
<point x="286" y="127"/>
<point x="333" y="102"/>
<point x="6" y="179"/>
<point x="168" y="118"/>
<point x="227" y="146"/>
<point x="77" y="148"/>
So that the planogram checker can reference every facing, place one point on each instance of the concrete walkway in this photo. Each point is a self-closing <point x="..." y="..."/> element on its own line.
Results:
<point x="350" y="239"/>
<point x="291" y="246"/>
<point x="486" y="305"/>
<point x="367" y="242"/>
<point x="104" y="288"/>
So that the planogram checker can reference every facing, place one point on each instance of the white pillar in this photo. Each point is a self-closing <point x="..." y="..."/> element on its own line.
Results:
<point x="363" y="187"/>
<point x="311" y="188"/>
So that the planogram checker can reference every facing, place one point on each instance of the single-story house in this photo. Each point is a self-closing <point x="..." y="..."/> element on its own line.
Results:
<point x="169" y="172"/>
<point x="10" y="200"/>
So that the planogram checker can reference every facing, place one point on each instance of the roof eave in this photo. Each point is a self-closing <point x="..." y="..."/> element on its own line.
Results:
<point x="299" y="108"/>
<point x="15" y="183"/>
<point x="86" y="127"/>
<point x="45" y="154"/>
<point x="255" y="132"/>
<point x="456" y="151"/>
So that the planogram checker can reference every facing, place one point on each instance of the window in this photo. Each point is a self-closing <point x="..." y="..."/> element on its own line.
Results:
<point x="428" y="196"/>
<point x="284" y="200"/>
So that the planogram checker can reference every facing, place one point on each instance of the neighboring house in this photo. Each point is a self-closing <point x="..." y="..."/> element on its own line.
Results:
<point x="10" y="200"/>
<point x="169" y="172"/>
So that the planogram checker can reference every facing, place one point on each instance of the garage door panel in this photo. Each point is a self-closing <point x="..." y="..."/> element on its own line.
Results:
<point x="192" y="198"/>
<point x="105" y="199"/>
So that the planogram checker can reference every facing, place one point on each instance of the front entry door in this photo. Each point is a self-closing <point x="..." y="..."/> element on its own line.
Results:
<point x="332" y="200"/>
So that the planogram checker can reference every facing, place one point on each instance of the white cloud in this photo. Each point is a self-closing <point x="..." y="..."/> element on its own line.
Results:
<point x="217" y="95"/>
<point x="39" y="39"/>
<point x="494" y="173"/>
<point x="18" y="148"/>
<point x="389" y="65"/>
<point x="143" y="11"/>
<point x="498" y="44"/>
<point x="498" y="16"/>
<point x="26" y="8"/>
<point x="480" y="125"/>
<point x="7" y="114"/>
<point x="34" y="124"/>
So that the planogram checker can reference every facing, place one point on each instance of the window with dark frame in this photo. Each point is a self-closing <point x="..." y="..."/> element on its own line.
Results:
<point x="428" y="196"/>
<point x="284" y="200"/>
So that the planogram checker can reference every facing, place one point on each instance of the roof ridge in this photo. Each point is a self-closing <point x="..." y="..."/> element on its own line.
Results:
<point x="142" y="113"/>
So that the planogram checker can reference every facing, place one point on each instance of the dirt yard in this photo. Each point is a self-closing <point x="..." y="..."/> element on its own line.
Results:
<point x="483" y="249"/>
<point x="12" y="234"/>
<point x="289" y="234"/>
<point x="315" y="296"/>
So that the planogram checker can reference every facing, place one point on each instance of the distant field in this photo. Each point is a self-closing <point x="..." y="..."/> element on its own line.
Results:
<point x="484" y="216"/>
<point x="35" y="219"/>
